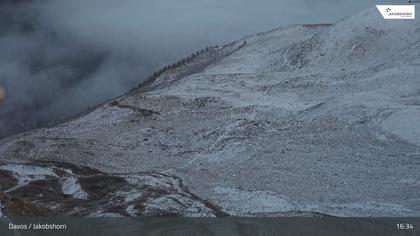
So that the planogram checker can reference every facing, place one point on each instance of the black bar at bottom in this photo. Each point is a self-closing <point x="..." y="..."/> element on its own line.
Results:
<point x="209" y="226"/>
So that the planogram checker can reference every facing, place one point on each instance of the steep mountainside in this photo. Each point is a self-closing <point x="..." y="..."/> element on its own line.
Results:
<point x="304" y="118"/>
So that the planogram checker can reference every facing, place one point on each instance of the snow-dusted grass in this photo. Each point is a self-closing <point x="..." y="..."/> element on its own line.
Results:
<point x="310" y="116"/>
<point x="252" y="202"/>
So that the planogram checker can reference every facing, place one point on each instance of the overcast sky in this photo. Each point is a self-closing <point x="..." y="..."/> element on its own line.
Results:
<point x="181" y="25"/>
<point x="57" y="57"/>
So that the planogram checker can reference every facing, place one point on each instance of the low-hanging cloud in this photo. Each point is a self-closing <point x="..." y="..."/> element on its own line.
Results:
<point x="58" y="57"/>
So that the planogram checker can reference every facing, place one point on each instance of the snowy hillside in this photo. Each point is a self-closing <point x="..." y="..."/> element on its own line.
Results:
<point x="304" y="118"/>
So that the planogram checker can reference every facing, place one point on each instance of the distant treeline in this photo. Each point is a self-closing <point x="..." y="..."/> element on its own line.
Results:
<point x="179" y="63"/>
<point x="183" y="61"/>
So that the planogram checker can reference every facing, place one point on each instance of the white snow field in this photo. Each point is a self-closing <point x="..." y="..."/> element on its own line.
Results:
<point x="311" y="118"/>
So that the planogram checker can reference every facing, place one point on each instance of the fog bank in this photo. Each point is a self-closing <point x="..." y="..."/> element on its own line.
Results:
<point x="59" y="57"/>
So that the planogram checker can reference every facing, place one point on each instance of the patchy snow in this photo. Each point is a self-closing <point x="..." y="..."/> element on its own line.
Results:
<point x="106" y="215"/>
<point x="130" y="196"/>
<point x="145" y="194"/>
<point x="71" y="187"/>
<point x="1" y="210"/>
<point x="155" y="180"/>
<point x="178" y="203"/>
<point x="131" y="210"/>
<point x="28" y="170"/>
<point x="27" y="173"/>
<point x="242" y="202"/>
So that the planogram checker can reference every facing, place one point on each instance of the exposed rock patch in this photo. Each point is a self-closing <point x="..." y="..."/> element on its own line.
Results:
<point x="47" y="191"/>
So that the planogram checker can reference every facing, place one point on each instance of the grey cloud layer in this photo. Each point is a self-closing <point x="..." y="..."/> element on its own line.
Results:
<point x="59" y="57"/>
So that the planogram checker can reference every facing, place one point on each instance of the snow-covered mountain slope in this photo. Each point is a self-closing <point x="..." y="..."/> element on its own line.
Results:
<point x="312" y="118"/>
